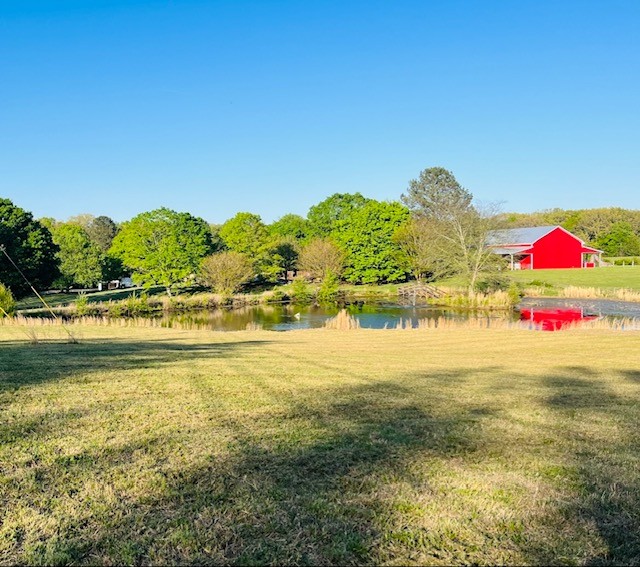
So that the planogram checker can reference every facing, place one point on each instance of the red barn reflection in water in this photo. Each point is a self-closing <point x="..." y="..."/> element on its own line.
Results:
<point x="554" y="319"/>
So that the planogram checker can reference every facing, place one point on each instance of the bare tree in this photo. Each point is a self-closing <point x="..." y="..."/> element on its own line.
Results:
<point x="320" y="258"/>
<point x="453" y="231"/>
<point x="226" y="272"/>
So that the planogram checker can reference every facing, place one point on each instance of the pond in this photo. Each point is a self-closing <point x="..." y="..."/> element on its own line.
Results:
<point x="546" y="314"/>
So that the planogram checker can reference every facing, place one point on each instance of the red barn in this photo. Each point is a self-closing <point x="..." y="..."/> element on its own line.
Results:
<point x="542" y="247"/>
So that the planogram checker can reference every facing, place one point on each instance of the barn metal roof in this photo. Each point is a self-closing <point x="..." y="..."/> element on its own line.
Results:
<point x="511" y="250"/>
<point x="518" y="235"/>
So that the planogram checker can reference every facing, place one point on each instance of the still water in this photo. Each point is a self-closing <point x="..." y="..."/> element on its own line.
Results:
<point x="543" y="314"/>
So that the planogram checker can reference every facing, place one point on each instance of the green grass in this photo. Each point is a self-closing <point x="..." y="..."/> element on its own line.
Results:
<point x="319" y="447"/>
<point x="607" y="279"/>
<point x="58" y="299"/>
<point x="612" y="277"/>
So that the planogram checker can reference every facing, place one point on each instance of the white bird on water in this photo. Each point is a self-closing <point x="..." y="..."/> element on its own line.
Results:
<point x="297" y="316"/>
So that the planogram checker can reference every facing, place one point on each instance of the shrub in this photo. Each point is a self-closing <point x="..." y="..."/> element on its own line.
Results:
<point x="7" y="303"/>
<point x="82" y="305"/>
<point x="137" y="304"/>
<point x="226" y="272"/>
<point x="328" y="291"/>
<point x="492" y="283"/>
<point x="301" y="291"/>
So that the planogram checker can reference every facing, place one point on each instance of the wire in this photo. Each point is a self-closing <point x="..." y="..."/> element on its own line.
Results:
<point x="4" y="250"/>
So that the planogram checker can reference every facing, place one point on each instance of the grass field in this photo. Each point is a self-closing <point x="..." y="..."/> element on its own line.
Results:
<point x="612" y="277"/>
<point x="318" y="447"/>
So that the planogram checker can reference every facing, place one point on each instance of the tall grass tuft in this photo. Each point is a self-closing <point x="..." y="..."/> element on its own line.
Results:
<point x="477" y="300"/>
<point x="343" y="321"/>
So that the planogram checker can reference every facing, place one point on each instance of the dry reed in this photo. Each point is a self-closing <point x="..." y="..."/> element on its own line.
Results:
<point x="342" y="322"/>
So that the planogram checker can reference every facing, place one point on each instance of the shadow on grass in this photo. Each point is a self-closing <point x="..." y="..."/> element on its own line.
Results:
<point x="304" y="492"/>
<point x="605" y="499"/>
<point x="315" y="484"/>
<point x="23" y="364"/>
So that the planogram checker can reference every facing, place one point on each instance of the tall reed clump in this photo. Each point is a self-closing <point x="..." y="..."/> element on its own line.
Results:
<point x="477" y="300"/>
<point x="576" y="292"/>
<point x="343" y="321"/>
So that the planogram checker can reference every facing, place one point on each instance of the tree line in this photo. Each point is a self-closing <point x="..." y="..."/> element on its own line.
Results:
<point x="434" y="230"/>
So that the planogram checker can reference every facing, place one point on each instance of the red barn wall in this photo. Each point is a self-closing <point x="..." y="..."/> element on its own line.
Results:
<point x="557" y="249"/>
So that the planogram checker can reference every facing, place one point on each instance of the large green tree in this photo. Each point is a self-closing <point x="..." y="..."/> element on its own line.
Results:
<point x="326" y="217"/>
<point x="367" y="236"/>
<point x="619" y="240"/>
<point x="270" y="255"/>
<point x="290" y="226"/>
<point x="80" y="259"/>
<point x="163" y="246"/>
<point x="30" y="245"/>
<point x="102" y="230"/>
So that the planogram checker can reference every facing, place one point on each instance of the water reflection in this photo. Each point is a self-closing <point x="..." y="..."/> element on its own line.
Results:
<point x="291" y="317"/>
<point x="548" y="319"/>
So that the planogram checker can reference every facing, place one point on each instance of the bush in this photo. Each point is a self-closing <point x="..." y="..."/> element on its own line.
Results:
<point x="7" y="302"/>
<point x="515" y="293"/>
<point x="82" y="305"/>
<point x="301" y="291"/>
<point x="137" y="304"/>
<point x="328" y="292"/>
<point x="492" y="283"/>
<point x="226" y="272"/>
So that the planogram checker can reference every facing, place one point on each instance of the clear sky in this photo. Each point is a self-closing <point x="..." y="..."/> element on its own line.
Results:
<point x="214" y="107"/>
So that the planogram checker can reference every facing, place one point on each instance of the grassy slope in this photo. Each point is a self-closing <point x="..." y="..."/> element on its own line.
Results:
<point x="613" y="277"/>
<point x="609" y="278"/>
<point x="402" y="447"/>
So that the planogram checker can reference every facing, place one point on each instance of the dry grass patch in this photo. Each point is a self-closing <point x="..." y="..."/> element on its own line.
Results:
<point x="149" y="445"/>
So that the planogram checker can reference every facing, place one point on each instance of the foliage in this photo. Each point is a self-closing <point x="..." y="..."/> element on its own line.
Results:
<point x="329" y="289"/>
<point x="112" y="268"/>
<point x="418" y="243"/>
<point x="247" y="234"/>
<point x="80" y="259"/>
<point x="102" y="230"/>
<point x="301" y="291"/>
<point x="290" y="226"/>
<point x="457" y="230"/>
<point x="217" y="244"/>
<point x="31" y="247"/>
<point x="162" y="246"/>
<point x="437" y="195"/>
<point x="325" y="217"/>
<point x="492" y="282"/>
<point x="591" y="225"/>
<point x="7" y="302"/>
<point x="284" y="254"/>
<point x="226" y="272"/>
<point x="321" y="257"/>
<point x="367" y="236"/>
<point x="619" y="240"/>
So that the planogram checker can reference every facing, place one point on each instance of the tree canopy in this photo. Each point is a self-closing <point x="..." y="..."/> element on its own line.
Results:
<point x="437" y="195"/>
<point x="30" y="245"/>
<point x="366" y="236"/>
<point x="324" y="217"/>
<point x="80" y="259"/>
<point x="163" y="246"/>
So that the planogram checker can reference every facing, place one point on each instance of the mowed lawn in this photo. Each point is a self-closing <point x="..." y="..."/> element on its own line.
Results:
<point x="320" y="447"/>
<point x="611" y="277"/>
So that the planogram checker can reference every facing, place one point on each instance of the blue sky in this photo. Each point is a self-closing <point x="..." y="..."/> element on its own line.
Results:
<point x="215" y="107"/>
